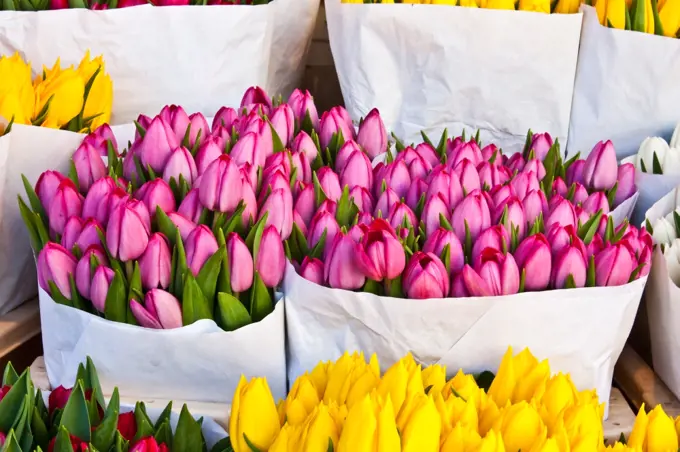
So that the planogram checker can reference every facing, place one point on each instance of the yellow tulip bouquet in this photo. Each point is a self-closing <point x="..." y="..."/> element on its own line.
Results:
<point x="347" y="406"/>
<point x="540" y="6"/>
<point x="647" y="16"/>
<point x="76" y="99"/>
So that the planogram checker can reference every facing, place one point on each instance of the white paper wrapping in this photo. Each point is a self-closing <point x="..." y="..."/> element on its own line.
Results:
<point x="199" y="57"/>
<point x="625" y="209"/>
<point x="581" y="331"/>
<point x="626" y="87"/>
<point x="651" y="187"/>
<point x="199" y="362"/>
<point x="667" y="204"/>
<point x="430" y="67"/>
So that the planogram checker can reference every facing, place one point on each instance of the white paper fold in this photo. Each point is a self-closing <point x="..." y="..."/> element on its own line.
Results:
<point x="626" y="87"/>
<point x="199" y="57"/>
<point x="199" y="362"/>
<point x="651" y="187"/>
<point x="430" y="67"/>
<point x="580" y="331"/>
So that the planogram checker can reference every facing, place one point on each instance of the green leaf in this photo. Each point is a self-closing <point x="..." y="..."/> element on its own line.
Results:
<point x="261" y="304"/>
<point x="32" y="222"/>
<point x="527" y="144"/>
<point x="104" y="435"/>
<point x="166" y="226"/>
<point x="33" y="199"/>
<point x="346" y="209"/>
<point x="317" y="251"/>
<point x="658" y="25"/>
<point x="319" y="195"/>
<point x="164" y="433"/>
<point x="254" y="246"/>
<point x="426" y="139"/>
<point x="207" y="277"/>
<point x="446" y="258"/>
<point x="587" y="231"/>
<point x="373" y="287"/>
<point x="298" y="244"/>
<point x="188" y="434"/>
<point x="443" y="222"/>
<point x="278" y="144"/>
<point x="636" y="272"/>
<point x="144" y="424"/>
<point x="611" y="194"/>
<point x="10" y="376"/>
<point x="75" y="416"/>
<point x="570" y="283"/>
<point x="232" y="314"/>
<point x="194" y="304"/>
<point x="56" y="294"/>
<point x="330" y="445"/>
<point x="590" y="275"/>
<point x="522" y="280"/>
<point x="11" y="443"/>
<point x="250" y="444"/>
<point x="223" y="445"/>
<point x="41" y="436"/>
<point x="116" y="305"/>
<point x="398" y="144"/>
<point x="165" y="416"/>
<point x="179" y="258"/>
<point x="224" y="277"/>
<point x="76" y="299"/>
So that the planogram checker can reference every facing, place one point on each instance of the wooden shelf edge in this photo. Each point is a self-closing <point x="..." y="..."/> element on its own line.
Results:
<point x="19" y="326"/>
<point x="641" y="385"/>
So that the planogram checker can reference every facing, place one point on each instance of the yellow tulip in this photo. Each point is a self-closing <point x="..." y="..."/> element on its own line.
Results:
<point x="503" y="385"/>
<point x="619" y="447"/>
<point x="319" y="377"/>
<point x="301" y="400"/>
<point x="434" y="377"/>
<point x="567" y="6"/>
<point x="318" y="430"/>
<point x="461" y="439"/>
<point x="492" y="442"/>
<point x="500" y="4"/>
<point x="401" y="380"/>
<point x="669" y="13"/>
<point x="654" y="432"/>
<point x="419" y="424"/>
<point x="365" y="378"/>
<point x="611" y="12"/>
<point x="461" y="384"/>
<point x="521" y="427"/>
<point x="456" y="411"/>
<point x="338" y="413"/>
<point x="100" y="97"/>
<point x="445" y="2"/>
<point x="532" y="384"/>
<point x="370" y="426"/>
<point x="469" y="3"/>
<point x="253" y="414"/>
<point x="539" y="6"/>
<point x="583" y="426"/>
<point x="16" y="90"/>
<point x="64" y="90"/>
<point x="339" y="380"/>
<point x="549" y="445"/>
<point x="489" y="413"/>
<point x="560" y="393"/>
<point x="649" y="17"/>
<point x="287" y="440"/>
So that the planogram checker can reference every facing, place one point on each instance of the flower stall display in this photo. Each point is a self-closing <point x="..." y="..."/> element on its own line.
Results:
<point x="433" y="66"/>
<point x="451" y="250"/>
<point x="40" y="117"/>
<point x="657" y="171"/>
<point x="181" y="232"/>
<point x="209" y="57"/>
<point x="80" y="419"/>
<point x="349" y="405"/>
<point x="651" y="94"/>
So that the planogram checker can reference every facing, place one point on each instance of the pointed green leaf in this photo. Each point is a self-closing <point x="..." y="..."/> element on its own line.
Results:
<point x="232" y="314"/>
<point x="75" y="416"/>
<point x="261" y="304"/>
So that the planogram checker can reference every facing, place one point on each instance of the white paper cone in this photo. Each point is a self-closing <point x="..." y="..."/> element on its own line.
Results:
<point x="199" y="362"/>
<point x="651" y="187"/>
<point x="580" y="331"/>
<point x="613" y="65"/>
<point x="430" y="67"/>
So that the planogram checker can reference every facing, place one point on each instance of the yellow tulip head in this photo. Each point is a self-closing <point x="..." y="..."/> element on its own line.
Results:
<point x="319" y="377"/>
<point x="100" y="97"/>
<point x="654" y="432"/>
<point x="521" y="426"/>
<point x="16" y="90"/>
<point x="492" y="442"/>
<point x="319" y="430"/>
<point x="560" y="393"/>
<point x="370" y="426"/>
<point x="59" y="93"/>
<point x="434" y="378"/>
<point x="301" y="400"/>
<point x="400" y="381"/>
<point x="253" y="415"/>
<point x="461" y="439"/>
<point x="538" y="6"/>
<point x="419" y="424"/>
<point x="350" y="371"/>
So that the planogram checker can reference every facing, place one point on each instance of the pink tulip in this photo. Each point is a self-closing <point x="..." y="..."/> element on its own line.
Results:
<point x="515" y="163"/>
<point x="344" y="153"/>
<point x="535" y="204"/>
<point x="89" y="165"/>
<point x="601" y="169"/>
<point x="560" y="187"/>
<point x="417" y="189"/>
<point x="646" y="259"/>
<point x="425" y="277"/>
<point x="541" y="144"/>
<point x="582" y="216"/>
<point x="99" y="139"/>
<point x="274" y="181"/>
<point x="56" y="264"/>
<point x="595" y="246"/>
<point x="448" y="186"/>
<point x="155" y="264"/>
<point x="72" y="230"/>
<point x="256" y="96"/>
<point x="614" y="265"/>
<point x="458" y="289"/>
<point x="514" y="216"/>
<point x="492" y="175"/>
<point x="304" y="143"/>
<point x="47" y="186"/>
<point x="596" y="202"/>
<point x="142" y="120"/>
<point x="399" y="212"/>
<point x="372" y="135"/>
<point x="433" y="209"/>
<point x="328" y="206"/>
<point x="279" y="205"/>
<point x="127" y="233"/>
<point x="468" y="175"/>
<point x="626" y="183"/>
<point x="569" y="261"/>
<point x="322" y="221"/>
<point x="381" y="255"/>
<point x="180" y="162"/>
<point x="198" y="125"/>
<point x="501" y="193"/>
<point x="495" y="274"/>
<point x="358" y="172"/>
<point x="302" y="104"/>
<point x="67" y="202"/>
<point x="533" y="256"/>
<point x="241" y="263"/>
<point x="358" y="231"/>
<point x="580" y="193"/>
<point x="225" y="117"/>
<point x="221" y="185"/>
<point x="99" y="288"/>
<point x="362" y="199"/>
<point x="438" y="241"/>
<point x="534" y="166"/>
<point x="302" y="166"/>
<point x="387" y="199"/>
<point x="330" y="183"/>
<point x="575" y="172"/>
<point x="103" y="196"/>
<point x="312" y="270"/>
<point x="334" y="121"/>
<point x="428" y="153"/>
<point x="154" y="149"/>
<point x="473" y="210"/>
<point x="561" y="213"/>
<point x="184" y="225"/>
<point x="271" y="260"/>
<point x="305" y="203"/>
<point x="396" y="177"/>
<point x="200" y="246"/>
<point x="161" y="310"/>
<point x="489" y="151"/>
<point x="191" y="207"/>
<point x="178" y="120"/>
<point x="495" y="237"/>
<point x="341" y="270"/>
<point x="283" y="121"/>
<point x="560" y="237"/>
<point x="83" y="274"/>
<point x="156" y="193"/>
<point x="466" y="151"/>
<point x="523" y="183"/>
<point x="250" y="148"/>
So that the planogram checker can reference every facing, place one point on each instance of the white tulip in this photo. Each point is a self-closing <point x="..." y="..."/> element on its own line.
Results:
<point x="672" y="255"/>
<point x="664" y="231"/>
<point x="675" y="140"/>
<point x="649" y="147"/>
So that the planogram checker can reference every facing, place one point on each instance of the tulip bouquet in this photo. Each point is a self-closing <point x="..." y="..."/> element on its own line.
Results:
<point x="540" y="6"/>
<point x="80" y="420"/>
<point x="40" y="5"/>
<point x="348" y="405"/>
<point x="76" y="99"/>
<point x="647" y="16"/>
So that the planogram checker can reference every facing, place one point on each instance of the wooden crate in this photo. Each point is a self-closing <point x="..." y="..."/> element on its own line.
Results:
<point x="20" y="340"/>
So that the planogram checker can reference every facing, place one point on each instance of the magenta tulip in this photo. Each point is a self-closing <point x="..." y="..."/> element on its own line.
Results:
<point x="182" y="223"/>
<point x="472" y="211"/>
<point x="541" y="144"/>
<point x="569" y="261"/>
<point x="358" y="172"/>
<point x="626" y="183"/>
<point x="72" y="230"/>
<point x="47" y="186"/>
<point x="515" y="163"/>
<point x="142" y="120"/>
<point x="428" y="153"/>
<point x="561" y="213"/>
<point x="595" y="246"/>
<point x="580" y="193"/>
<point x="514" y="216"/>
<point x="425" y="277"/>
<point x="191" y="207"/>
<point x="312" y="270"/>
<point x="491" y="151"/>
<point x="335" y="121"/>
<point x="83" y="274"/>
<point x="241" y="264"/>
<point x="56" y="264"/>
<point x="180" y="163"/>
<point x="501" y="193"/>
<point x="358" y="231"/>
<point x="560" y="237"/>
<point x="302" y="166"/>
<point x="495" y="274"/>
<point x="161" y="310"/>
<point x="156" y="193"/>
<point x="225" y="117"/>
<point x="304" y="143"/>
<point x="199" y="129"/>
<point x="601" y="169"/>
<point x="341" y="270"/>
<point x="66" y="203"/>
<point x="417" y="189"/>
<point x="448" y="186"/>
<point x="99" y="287"/>
<point x="596" y="202"/>
<point x="154" y="149"/>
<point x="468" y="175"/>
<point x="99" y="139"/>
<point x="322" y="221"/>
<point x="492" y="175"/>
<point x="582" y="216"/>
<point x="381" y="254"/>
<point x="328" y="206"/>
<point x="386" y="200"/>
<point x="372" y="136"/>
<point x="646" y="260"/>
<point x="466" y="151"/>
<point x="330" y="183"/>
<point x="89" y="234"/>
<point x="283" y="121"/>
<point x="533" y="257"/>
<point x="178" y="120"/>
<point x="250" y="148"/>
<point x="535" y="204"/>
<point x="279" y="206"/>
<point x="221" y="185"/>
<point x="614" y="265"/>
<point x="344" y="153"/>
<point x="89" y="165"/>
<point x="495" y="237"/>
<point x="305" y="203"/>
<point x="575" y="172"/>
<point x="523" y="183"/>
<point x="400" y="214"/>
<point x="436" y="243"/>
<point x="155" y="264"/>
<point x="274" y="181"/>
<point x="256" y="96"/>
<point x="362" y="199"/>
<point x="270" y="262"/>
<point x="127" y="234"/>
<point x="534" y="166"/>
<point x="434" y="208"/>
<point x="302" y="104"/>
<point x="396" y="176"/>
<point x="200" y="246"/>
<point x="458" y="289"/>
<point x="560" y="187"/>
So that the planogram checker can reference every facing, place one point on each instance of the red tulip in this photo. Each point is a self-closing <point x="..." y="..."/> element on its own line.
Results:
<point x="127" y="425"/>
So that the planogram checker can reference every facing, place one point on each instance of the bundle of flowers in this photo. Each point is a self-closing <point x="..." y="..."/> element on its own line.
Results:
<point x="39" y="5"/>
<point x="658" y="156"/>
<point x="348" y="405"/>
<point x="648" y="16"/>
<point x="79" y="420"/>
<point x="76" y="99"/>
<point x="540" y="6"/>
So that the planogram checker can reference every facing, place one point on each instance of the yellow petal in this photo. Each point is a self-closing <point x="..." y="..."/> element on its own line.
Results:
<point x="388" y="435"/>
<point x="358" y="434"/>
<point x="522" y="427"/>
<point x="492" y="442"/>
<point x="670" y="17"/>
<point x="394" y="383"/>
<point x="461" y="439"/>
<point x="256" y="416"/>
<point x="319" y="429"/>
<point x="503" y="384"/>
<point x="500" y="4"/>
<point x="422" y="431"/>
<point x="639" y="433"/>
<point x="567" y="6"/>
<point x="532" y="384"/>
<point x="539" y="6"/>
<point x="661" y="435"/>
